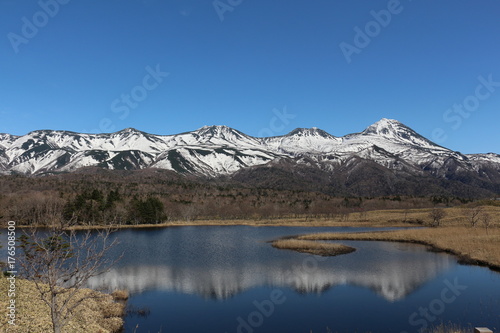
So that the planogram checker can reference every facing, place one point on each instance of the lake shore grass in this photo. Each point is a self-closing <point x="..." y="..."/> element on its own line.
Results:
<point x="369" y="219"/>
<point x="312" y="247"/>
<point x="454" y="234"/>
<point x="441" y="328"/>
<point x="100" y="313"/>
<point x="278" y="222"/>
<point x="470" y="245"/>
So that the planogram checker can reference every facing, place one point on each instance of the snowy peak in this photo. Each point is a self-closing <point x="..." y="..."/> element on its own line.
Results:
<point x="310" y="132"/>
<point x="303" y="141"/>
<point x="223" y="136"/>
<point x="130" y="130"/>
<point x="222" y="150"/>
<point x="219" y="131"/>
<point x="396" y="132"/>
<point x="7" y="139"/>
<point x="386" y="127"/>
<point x="129" y="134"/>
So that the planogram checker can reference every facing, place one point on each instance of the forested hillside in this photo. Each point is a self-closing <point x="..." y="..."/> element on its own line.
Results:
<point x="95" y="197"/>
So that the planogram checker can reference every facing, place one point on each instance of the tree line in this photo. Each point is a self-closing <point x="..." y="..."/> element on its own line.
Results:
<point x="131" y="198"/>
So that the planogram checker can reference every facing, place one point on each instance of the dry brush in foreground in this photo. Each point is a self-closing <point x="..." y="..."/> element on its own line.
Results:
<point x="99" y="313"/>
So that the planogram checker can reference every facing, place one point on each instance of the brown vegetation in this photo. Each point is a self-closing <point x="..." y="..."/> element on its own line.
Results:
<point x="59" y="264"/>
<point x="449" y="328"/>
<point x="441" y="328"/>
<point x="437" y="214"/>
<point x="98" y="313"/>
<point x="471" y="245"/>
<point x="120" y="295"/>
<point x="154" y="197"/>
<point x="312" y="247"/>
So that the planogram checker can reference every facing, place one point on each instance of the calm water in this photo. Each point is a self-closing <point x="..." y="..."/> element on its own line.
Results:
<point x="228" y="279"/>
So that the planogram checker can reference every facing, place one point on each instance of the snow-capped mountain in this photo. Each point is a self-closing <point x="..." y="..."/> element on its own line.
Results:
<point x="220" y="150"/>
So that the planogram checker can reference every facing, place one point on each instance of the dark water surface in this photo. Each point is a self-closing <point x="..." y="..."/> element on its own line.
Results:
<point x="229" y="279"/>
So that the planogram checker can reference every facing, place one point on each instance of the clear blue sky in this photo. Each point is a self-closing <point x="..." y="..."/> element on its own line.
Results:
<point x="241" y="65"/>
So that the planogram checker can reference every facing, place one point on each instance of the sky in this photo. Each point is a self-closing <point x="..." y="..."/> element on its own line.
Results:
<point x="262" y="67"/>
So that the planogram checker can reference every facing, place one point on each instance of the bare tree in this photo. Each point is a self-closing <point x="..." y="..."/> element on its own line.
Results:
<point x="473" y="214"/>
<point x="486" y="220"/>
<point x="406" y="212"/>
<point x="363" y="214"/>
<point x="437" y="214"/>
<point x="60" y="262"/>
<point x="189" y="212"/>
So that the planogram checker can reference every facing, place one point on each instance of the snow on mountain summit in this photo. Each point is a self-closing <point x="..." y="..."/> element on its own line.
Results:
<point x="223" y="136"/>
<point x="130" y="130"/>
<point x="385" y="126"/>
<point x="219" y="131"/>
<point x="303" y="141"/>
<point x="396" y="132"/>
<point x="313" y="131"/>
<point x="216" y="150"/>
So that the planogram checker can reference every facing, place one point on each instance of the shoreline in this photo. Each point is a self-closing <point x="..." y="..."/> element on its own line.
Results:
<point x="455" y="236"/>
<point x="378" y="218"/>
<point x="420" y="236"/>
<point x="251" y="223"/>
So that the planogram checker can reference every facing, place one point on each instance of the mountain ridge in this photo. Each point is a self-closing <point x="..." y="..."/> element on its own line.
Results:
<point x="388" y="148"/>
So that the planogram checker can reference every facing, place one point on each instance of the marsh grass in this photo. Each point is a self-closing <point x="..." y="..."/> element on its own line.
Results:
<point x="449" y="328"/>
<point x="120" y="295"/>
<point x="441" y="328"/>
<point x="476" y="245"/>
<point x="471" y="245"/>
<point x="312" y="247"/>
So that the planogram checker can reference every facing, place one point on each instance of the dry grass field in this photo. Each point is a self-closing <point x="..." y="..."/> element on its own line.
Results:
<point x="455" y="235"/>
<point x="455" y="216"/>
<point x="100" y="314"/>
<point x="472" y="245"/>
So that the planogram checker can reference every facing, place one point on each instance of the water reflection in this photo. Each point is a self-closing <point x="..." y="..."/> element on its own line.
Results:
<point x="220" y="263"/>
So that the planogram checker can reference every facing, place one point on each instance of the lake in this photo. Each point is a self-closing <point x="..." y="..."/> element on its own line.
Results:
<point x="229" y="279"/>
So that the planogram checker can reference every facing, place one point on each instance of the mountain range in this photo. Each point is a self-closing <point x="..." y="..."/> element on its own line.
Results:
<point x="386" y="158"/>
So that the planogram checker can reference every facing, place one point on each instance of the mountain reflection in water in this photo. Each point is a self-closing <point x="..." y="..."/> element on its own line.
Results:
<point x="220" y="262"/>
